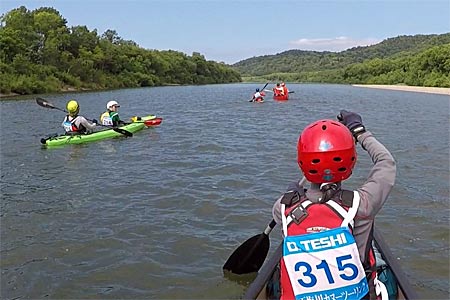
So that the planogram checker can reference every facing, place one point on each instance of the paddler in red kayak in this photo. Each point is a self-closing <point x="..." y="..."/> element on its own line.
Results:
<point x="327" y="247"/>
<point x="284" y="88"/>
<point x="278" y="90"/>
<point x="258" y="96"/>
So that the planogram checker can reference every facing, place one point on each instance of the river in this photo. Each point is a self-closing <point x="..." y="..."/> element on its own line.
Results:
<point x="155" y="216"/>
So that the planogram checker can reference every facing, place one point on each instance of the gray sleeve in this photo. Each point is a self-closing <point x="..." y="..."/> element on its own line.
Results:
<point x="381" y="179"/>
<point x="276" y="210"/>
<point x="82" y="121"/>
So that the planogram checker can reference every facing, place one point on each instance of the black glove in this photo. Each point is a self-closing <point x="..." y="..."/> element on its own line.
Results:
<point x="353" y="122"/>
<point x="95" y="121"/>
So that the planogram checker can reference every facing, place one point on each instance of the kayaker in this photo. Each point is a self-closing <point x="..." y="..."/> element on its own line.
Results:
<point x="278" y="90"/>
<point x="317" y="250"/>
<point x="258" y="96"/>
<point x="111" y="116"/>
<point x="74" y="123"/>
<point x="284" y="88"/>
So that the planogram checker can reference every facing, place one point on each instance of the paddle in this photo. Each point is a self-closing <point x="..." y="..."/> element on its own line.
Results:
<point x="44" y="103"/>
<point x="251" y="100"/>
<point x="250" y="256"/>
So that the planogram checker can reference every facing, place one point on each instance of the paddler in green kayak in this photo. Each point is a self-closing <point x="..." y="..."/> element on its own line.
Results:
<point x="111" y="116"/>
<point x="74" y="123"/>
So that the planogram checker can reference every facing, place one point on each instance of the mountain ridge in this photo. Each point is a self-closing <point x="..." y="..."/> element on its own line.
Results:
<point x="303" y="58"/>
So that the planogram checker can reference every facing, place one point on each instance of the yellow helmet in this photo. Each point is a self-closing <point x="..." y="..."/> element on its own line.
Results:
<point x="72" y="107"/>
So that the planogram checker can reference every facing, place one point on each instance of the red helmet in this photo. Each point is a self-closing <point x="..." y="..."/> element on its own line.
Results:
<point x="326" y="152"/>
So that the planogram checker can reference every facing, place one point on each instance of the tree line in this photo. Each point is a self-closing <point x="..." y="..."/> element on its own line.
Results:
<point x="420" y="60"/>
<point x="40" y="54"/>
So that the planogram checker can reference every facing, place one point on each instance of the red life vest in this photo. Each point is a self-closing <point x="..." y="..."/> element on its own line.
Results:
<point x="303" y="216"/>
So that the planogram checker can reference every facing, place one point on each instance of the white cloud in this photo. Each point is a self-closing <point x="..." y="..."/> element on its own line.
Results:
<point x="331" y="44"/>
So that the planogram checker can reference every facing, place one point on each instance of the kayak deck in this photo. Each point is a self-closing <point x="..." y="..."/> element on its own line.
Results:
<point x="97" y="135"/>
<point x="258" y="288"/>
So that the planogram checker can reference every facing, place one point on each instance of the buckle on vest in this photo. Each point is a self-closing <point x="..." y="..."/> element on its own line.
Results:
<point x="290" y="198"/>
<point x="298" y="214"/>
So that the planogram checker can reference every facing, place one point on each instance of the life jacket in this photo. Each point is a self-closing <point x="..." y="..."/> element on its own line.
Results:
<point x="278" y="91"/>
<point x="69" y="126"/>
<point x="258" y="97"/>
<point x="106" y="119"/>
<point x="320" y="257"/>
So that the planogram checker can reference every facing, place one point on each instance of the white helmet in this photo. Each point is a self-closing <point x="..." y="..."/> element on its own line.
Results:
<point x="112" y="103"/>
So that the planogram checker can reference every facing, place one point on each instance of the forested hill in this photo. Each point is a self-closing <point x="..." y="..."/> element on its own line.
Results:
<point x="39" y="54"/>
<point x="412" y="60"/>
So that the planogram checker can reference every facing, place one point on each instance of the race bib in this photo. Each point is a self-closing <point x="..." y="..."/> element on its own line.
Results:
<point x="67" y="126"/>
<point x="107" y="121"/>
<point x="325" y="265"/>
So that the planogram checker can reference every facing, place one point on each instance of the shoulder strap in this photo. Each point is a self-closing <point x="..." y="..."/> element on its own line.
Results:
<point x="296" y="215"/>
<point x="346" y="198"/>
<point x="351" y="200"/>
<point x="351" y="213"/>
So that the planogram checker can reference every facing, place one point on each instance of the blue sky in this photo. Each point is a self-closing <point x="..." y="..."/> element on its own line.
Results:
<point x="233" y="30"/>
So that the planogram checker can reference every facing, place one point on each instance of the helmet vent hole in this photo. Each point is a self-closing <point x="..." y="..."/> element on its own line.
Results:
<point x="337" y="159"/>
<point x="312" y="171"/>
<point x="342" y="169"/>
<point x="324" y="127"/>
<point x="353" y="158"/>
<point x="316" y="161"/>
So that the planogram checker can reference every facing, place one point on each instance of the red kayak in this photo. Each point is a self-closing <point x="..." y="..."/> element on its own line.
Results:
<point x="284" y="97"/>
<point x="280" y="92"/>
<point x="153" y="122"/>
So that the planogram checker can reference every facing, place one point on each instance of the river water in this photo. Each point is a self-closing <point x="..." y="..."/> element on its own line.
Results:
<point x="156" y="216"/>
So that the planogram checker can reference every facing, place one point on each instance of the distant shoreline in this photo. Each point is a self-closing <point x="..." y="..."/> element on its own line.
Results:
<point x="407" y="88"/>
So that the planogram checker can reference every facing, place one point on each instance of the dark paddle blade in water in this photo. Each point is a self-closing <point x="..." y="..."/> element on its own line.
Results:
<point x="250" y="256"/>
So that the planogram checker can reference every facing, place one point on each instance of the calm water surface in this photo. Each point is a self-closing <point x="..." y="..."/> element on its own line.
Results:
<point x="155" y="216"/>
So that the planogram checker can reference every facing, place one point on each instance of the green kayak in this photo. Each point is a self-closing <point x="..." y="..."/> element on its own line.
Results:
<point x="122" y="131"/>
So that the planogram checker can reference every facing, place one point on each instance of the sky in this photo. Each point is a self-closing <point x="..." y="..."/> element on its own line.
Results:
<point x="233" y="30"/>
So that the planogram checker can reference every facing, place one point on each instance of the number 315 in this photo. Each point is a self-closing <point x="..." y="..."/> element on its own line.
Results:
<point x="324" y="266"/>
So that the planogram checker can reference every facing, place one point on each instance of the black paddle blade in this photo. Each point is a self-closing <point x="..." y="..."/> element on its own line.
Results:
<point x="250" y="256"/>
<point x="123" y="131"/>
<point x="44" y="103"/>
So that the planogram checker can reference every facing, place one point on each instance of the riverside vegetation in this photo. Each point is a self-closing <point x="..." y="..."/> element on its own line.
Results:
<point x="40" y="54"/>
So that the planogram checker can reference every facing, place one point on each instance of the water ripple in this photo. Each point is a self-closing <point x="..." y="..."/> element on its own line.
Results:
<point x="157" y="215"/>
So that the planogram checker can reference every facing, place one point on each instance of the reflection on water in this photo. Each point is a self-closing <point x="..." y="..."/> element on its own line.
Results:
<point x="157" y="215"/>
